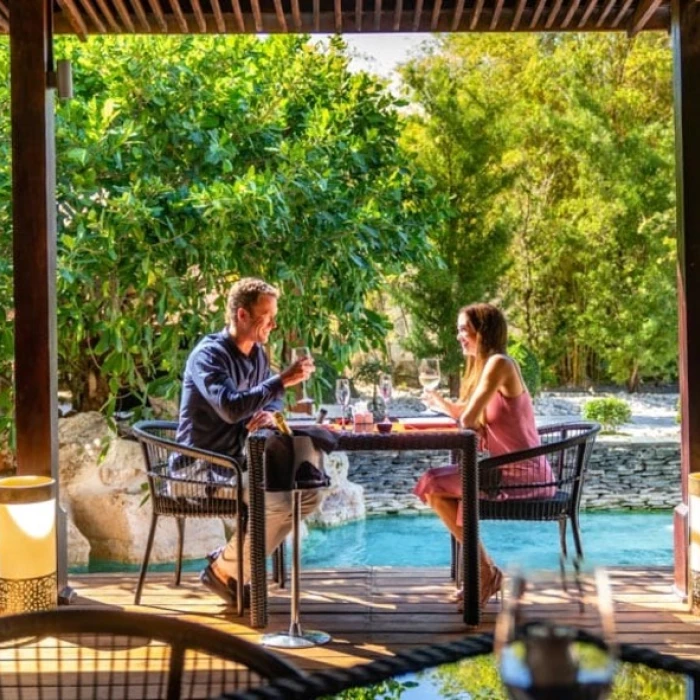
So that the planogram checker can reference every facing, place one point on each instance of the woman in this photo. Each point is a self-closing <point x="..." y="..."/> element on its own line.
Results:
<point x="495" y="403"/>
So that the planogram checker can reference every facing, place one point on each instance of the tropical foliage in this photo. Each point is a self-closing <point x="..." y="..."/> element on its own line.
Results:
<point x="557" y="154"/>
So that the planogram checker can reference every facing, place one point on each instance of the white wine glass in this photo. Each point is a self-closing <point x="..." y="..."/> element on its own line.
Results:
<point x="342" y="396"/>
<point x="539" y="657"/>
<point x="299" y="354"/>
<point x="386" y="390"/>
<point x="429" y="373"/>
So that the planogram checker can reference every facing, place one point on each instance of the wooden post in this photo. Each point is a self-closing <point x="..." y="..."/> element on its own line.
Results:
<point x="34" y="247"/>
<point x="685" y="30"/>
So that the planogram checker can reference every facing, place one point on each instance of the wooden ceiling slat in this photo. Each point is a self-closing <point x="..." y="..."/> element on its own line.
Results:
<point x="587" y="12"/>
<point x="496" y="14"/>
<point x="417" y="12"/>
<point x="199" y="16"/>
<point x="317" y="15"/>
<point x="141" y="14"/>
<point x="296" y="15"/>
<point x="257" y="16"/>
<point x="94" y="17"/>
<point x="457" y="17"/>
<point x="218" y="16"/>
<point x="435" y="18"/>
<point x="338" y="15"/>
<point x="520" y="8"/>
<point x="4" y="25"/>
<point x="644" y="12"/>
<point x="238" y="14"/>
<point x="124" y="14"/>
<point x="607" y="9"/>
<point x="621" y="14"/>
<point x="398" y="9"/>
<point x="570" y="14"/>
<point x="75" y="18"/>
<point x="158" y="12"/>
<point x="476" y="14"/>
<point x="358" y="15"/>
<point x="179" y="16"/>
<point x="377" y="15"/>
<point x="107" y="13"/>
<point x="538" y="13"/>
<point x="281" y="19"/>
<point x="4" y="9"/>
<point x="553" y="14"/>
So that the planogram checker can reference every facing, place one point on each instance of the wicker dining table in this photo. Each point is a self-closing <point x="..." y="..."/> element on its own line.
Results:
<point x="461" y="443"/>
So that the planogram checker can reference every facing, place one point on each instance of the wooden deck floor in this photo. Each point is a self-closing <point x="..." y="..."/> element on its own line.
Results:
<point x="378" y="611"/>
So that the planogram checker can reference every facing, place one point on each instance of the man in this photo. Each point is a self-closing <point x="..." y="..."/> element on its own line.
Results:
<point x="228" y="391"/>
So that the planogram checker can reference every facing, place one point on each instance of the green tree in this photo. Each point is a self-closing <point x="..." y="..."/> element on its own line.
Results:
<point x="458" y="134"/>
<point x="185" y="163"/>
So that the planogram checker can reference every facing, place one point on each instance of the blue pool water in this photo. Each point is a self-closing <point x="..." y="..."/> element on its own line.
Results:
<point x="609" y="539"/>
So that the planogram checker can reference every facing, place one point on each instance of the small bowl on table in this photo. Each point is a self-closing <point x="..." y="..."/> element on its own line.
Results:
<point x="385" y="426"/>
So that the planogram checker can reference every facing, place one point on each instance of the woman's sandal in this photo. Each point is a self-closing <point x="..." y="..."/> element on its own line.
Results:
<point x="495" y="585"/>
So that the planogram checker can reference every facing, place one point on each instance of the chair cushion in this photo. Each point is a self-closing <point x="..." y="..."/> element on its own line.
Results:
<point x="526" y="509"/>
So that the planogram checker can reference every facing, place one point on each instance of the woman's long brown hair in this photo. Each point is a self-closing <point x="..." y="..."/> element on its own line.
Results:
<point x="491" y="329"/>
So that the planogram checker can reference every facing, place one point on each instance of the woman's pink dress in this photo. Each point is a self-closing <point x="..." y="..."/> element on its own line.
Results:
<point x="510" y="427"/>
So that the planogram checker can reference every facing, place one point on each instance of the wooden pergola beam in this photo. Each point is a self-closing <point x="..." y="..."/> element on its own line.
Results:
<point x="476" y="14"/>
<point x="4" y="10"/>
<point x="75" y="18"/>
<point x="279" y="13"/>
<point x="496" y="15"/>
<point x="607" y="9"/>
<point x="358" y="15"/>
<point x="94" y="17"/>
<point x="338" y="14"/>
<point x="570" y="13"/>
<point x="539" y="9"/>
<point x="377" y="14"/>
<point x="199" y="16"/>
<point x="553" y="14"/>
<point x="417" y="12"/>
<point x="141" y="14"/>
<point x="621" y="14"/>
<point x="218" y="17"/>
<point x="296" y="15"/>
<point x="124" y="14"/>
<point x="317" y="15"/>
<point x="519" y="9"/>
<point x="587" y="12"/>
<point x="104" y="8"/>
<point x="457" y="17"/>
<point x="179" y="16"/>
<point x="158" y="12"/>
<point x="645" y="10"/>
<point x="238" y="14"/>
<point x="398" y="10"/>
<point x="435" y="17"/>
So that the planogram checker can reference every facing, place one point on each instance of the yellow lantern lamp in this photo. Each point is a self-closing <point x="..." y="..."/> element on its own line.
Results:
<point x="28" y="560"/>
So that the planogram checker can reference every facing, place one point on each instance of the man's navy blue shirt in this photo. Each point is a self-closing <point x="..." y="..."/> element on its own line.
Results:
<point x="221" y="391"/>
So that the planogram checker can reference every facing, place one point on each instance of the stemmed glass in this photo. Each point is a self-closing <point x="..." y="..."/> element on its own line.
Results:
<point x="429" y="373"/>
<point x="543" y="658"/>
<point x="298" y="354"/>
<point x="342" y="396"/>
<point x="385" y="391"/>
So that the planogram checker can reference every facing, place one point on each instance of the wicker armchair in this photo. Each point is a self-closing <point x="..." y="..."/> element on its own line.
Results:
<point x="567" y="447"/>
<point x="187" y="482"/>
<point x="74" y="653"/>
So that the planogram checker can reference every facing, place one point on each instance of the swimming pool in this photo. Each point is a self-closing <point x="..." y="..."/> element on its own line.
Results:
<point x="609" y="539"/>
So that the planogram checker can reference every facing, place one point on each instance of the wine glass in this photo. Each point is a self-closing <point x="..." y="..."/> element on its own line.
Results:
<point x="299" y="354"/>
<point x="342" y="396"/>
<point x="385" y="391"/>
<point x="543" y="658"/>
<point x="429" y="373"/>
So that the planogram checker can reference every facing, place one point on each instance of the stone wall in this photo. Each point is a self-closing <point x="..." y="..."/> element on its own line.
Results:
<point x="631" y="475"/>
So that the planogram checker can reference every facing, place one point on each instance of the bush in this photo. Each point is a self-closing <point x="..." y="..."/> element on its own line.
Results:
<point x="529" y="365"/>
<point x="611" y="413"/>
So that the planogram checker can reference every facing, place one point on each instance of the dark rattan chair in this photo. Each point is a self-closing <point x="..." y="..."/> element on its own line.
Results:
<point x="74" y="653"/>
<point x="567" y="447"/>
<point x="186" y="482"/>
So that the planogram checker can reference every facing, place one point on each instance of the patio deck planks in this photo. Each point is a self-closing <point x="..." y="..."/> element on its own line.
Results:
<point x="377" y="611"/>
